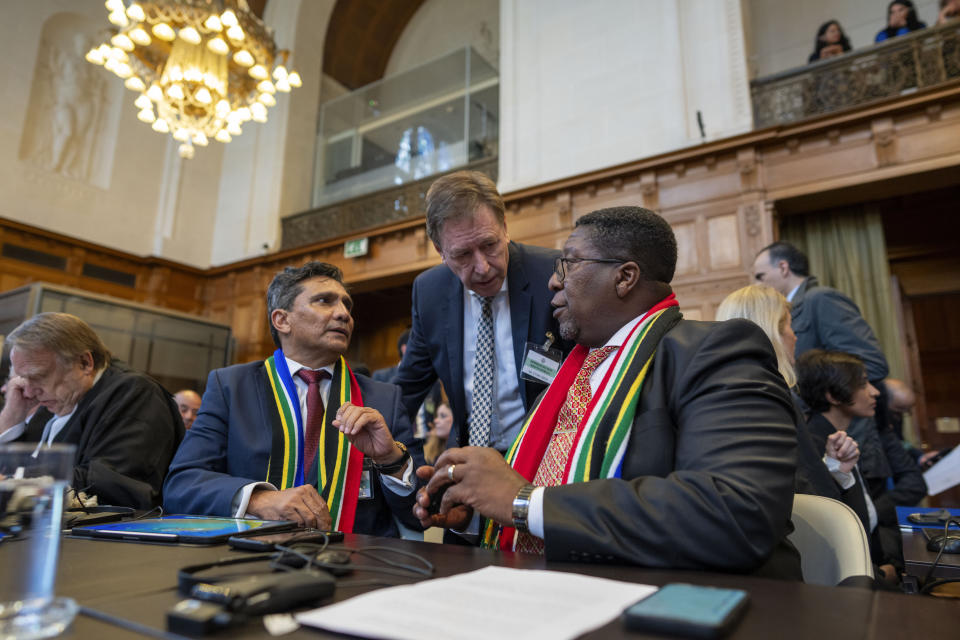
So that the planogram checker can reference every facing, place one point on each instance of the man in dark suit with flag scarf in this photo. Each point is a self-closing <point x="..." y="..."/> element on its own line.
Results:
<point x="662" y="442"/>
<point x="298" y="436"/>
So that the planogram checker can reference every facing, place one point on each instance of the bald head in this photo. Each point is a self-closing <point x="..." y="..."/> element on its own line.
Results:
<point x="188" y="402"/>
<point x="900" y="397"/>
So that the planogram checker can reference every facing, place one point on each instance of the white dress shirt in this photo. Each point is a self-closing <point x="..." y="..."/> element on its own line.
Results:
<point x="793" y="292"/>
<point x="847" y="479"/>
<point x="400" y="486"/>
<point x="508" y="411"/>
<point x="535" y="513"/>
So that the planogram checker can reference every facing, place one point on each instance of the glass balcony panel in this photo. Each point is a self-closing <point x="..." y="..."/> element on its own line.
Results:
<point x="425" y="121"/>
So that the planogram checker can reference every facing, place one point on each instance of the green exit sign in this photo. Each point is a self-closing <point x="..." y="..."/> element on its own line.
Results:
<point x="355" y="248"/>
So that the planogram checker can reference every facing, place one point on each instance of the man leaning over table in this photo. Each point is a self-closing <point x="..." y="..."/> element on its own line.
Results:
<point x="298" y="436"/>
<point x="662" y="442"/>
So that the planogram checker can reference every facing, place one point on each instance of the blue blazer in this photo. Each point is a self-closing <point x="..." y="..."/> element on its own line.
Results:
<point x="229" y="447"/>
<point x="435" y="347"/>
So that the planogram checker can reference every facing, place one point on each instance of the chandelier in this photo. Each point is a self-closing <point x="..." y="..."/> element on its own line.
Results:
<point x="202" y="68"/>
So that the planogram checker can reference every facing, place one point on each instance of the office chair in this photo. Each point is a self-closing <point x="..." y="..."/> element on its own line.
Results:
<point x="830" y="537"/>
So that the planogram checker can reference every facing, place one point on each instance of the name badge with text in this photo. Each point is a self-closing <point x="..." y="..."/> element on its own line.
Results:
<point x="540" y="363"/>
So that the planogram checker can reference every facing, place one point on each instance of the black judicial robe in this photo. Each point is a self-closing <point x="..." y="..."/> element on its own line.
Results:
<point x="126" y="429"/>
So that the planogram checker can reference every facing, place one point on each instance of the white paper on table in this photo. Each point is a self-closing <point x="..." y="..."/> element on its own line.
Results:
<point x="489" y="602"/>
<point x="945" y="474"/>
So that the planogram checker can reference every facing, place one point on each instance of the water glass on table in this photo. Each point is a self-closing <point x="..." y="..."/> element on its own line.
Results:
<point x="33" y="484"/>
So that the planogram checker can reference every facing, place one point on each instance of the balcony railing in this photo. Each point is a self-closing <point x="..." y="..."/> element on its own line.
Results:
<point x="921" y="59"/>
<point x="394" y="204"/>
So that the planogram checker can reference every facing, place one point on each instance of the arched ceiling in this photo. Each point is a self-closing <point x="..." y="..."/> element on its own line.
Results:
<point x="360" y="37"/>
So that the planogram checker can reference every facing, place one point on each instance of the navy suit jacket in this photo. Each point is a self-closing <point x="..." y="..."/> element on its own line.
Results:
<point x="435" y="347"/>
<point x="229" y="447"/>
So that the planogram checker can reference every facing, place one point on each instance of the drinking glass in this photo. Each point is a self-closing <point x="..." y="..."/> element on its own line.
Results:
<point x="33" y="482"/>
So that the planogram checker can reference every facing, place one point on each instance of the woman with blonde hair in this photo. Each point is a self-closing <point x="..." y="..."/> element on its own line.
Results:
<point x="768" y="309"/>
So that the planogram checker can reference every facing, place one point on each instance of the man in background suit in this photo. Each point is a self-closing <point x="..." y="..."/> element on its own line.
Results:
<point x="476" y="353"/>
<point x="822" y="317"/>
<point x="661" y="442"/>
<point x="274" y="437"/>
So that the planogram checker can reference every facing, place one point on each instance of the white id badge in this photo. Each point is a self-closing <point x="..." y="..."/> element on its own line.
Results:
<point x="366" y="486"/>
<point x="540" y="364"/>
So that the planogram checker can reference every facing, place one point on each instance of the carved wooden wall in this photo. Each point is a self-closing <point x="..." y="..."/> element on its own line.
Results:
<point x="29" y="254"/>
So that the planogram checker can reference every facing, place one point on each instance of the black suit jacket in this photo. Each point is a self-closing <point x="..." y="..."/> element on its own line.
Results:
<point x="126" y="429"/>
<point x="435" y="347"/>
<point x="229" y="447"/>
<point x="708" y="474"/>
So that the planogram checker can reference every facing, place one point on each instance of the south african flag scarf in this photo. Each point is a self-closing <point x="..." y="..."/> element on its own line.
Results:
<point x="604" y="432"/>
<point x="339" y="465"/>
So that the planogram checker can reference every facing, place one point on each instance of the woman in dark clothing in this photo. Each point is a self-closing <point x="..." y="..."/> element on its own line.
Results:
<point x="831" y="41"/>
<point x="901" y="20"/>
<point x="835" y="387"/>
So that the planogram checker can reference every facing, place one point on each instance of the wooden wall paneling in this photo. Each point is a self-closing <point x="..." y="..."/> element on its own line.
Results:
<point x="547" y="218"/>
<point x="699" y="182"/>
<point x="705" y="296"/>
<point x="791" y="172"/>
<point x="723" y="241"/>
<point x="650" y="190"/>
<point x="688" y="258"/>
<point x="884" y="141"/>
<point x="926" y="275"/>
<point x="922" y="137"/>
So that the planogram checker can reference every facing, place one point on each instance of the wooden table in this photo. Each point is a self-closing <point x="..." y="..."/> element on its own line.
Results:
<point x="138" y="582"/>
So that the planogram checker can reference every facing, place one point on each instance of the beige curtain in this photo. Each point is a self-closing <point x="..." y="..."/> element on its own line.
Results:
<point x="847" y="251"/>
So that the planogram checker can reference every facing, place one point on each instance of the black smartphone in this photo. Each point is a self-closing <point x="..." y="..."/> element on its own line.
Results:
<point x="268" y="541"/>
<point x="688" y="610"/>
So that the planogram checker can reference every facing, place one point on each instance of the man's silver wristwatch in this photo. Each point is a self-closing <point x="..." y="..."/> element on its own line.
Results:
<point x="521" y="507"/>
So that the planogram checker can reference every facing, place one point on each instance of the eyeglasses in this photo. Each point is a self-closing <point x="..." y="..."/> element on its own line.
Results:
<point x="561" y="270"/>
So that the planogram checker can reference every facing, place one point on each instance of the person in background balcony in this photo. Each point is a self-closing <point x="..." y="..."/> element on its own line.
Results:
<point x="831" y="41"/>
<point x="949" y="10"/>
<point x="901" y="20"/>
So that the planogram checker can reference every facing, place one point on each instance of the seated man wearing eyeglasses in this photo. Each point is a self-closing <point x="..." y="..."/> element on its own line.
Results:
<point x="661" y="442"/>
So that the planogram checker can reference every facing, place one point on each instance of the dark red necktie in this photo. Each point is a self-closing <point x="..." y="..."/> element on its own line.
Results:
<point x="313" y="421"/>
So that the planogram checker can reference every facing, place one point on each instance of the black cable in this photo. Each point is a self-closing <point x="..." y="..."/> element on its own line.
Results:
<point x="394" y="568"/>
<point x="369" y="582"/>
<point x="427" y="569"/>
<point x="928" y="586"/>
<point x="146" y="514"/>
<point x="130" y="625"/>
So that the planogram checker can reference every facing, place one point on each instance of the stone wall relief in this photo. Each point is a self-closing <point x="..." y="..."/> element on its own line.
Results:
<point x="71" y="121"/>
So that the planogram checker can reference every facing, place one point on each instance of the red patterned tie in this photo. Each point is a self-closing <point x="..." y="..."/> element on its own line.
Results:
<point x="313" y="421"/>
<point x="550" y="471"/>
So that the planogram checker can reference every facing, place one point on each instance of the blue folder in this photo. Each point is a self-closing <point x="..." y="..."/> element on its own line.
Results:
<point x="903" y="512"/>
